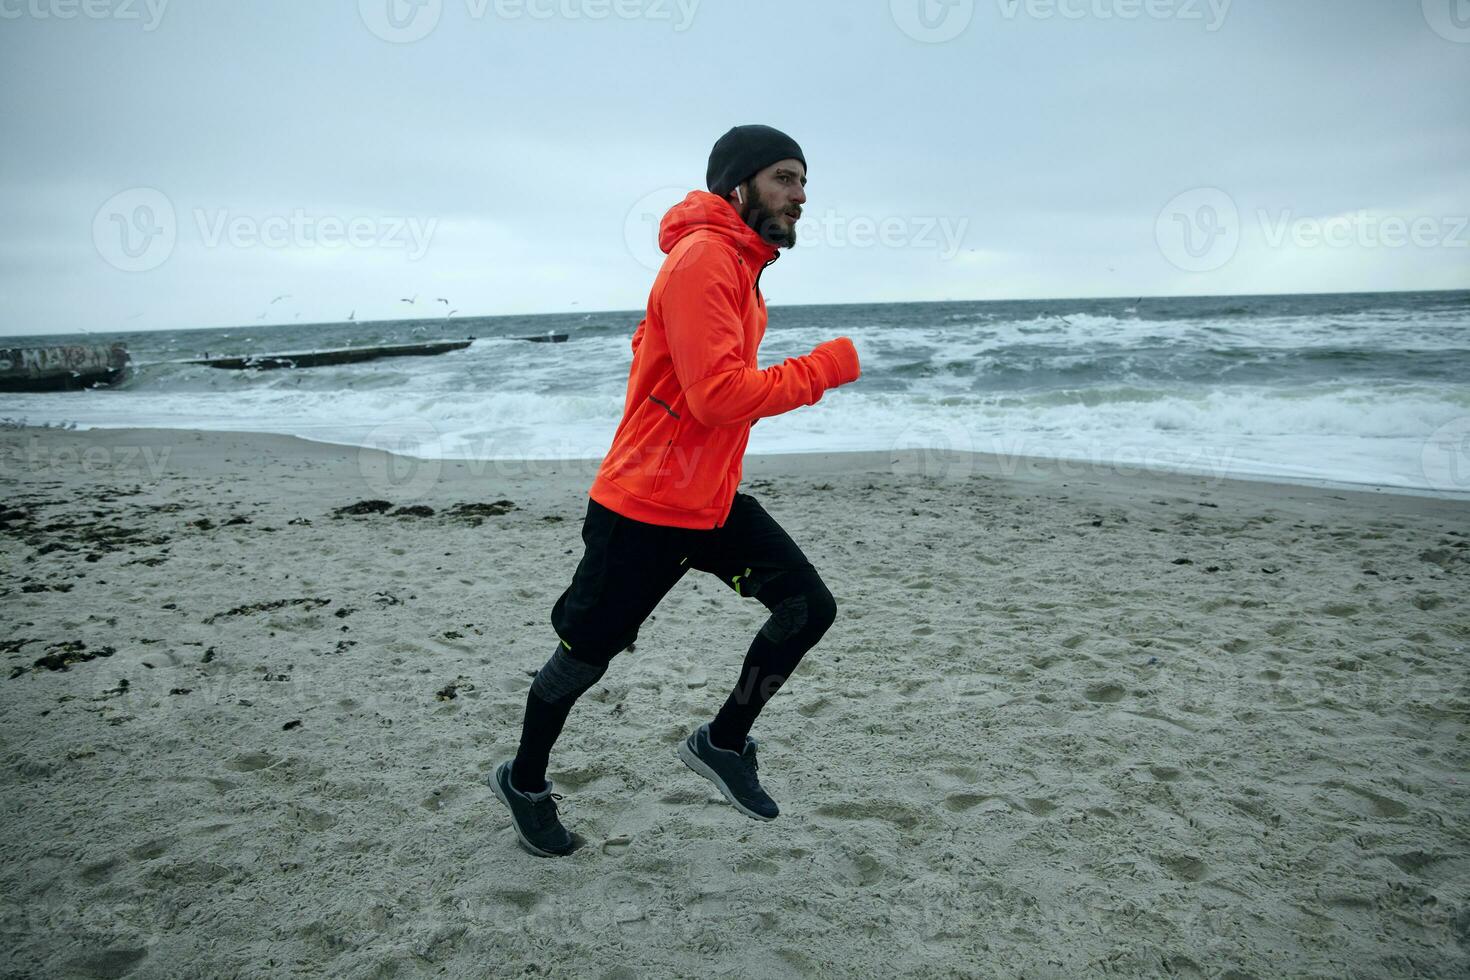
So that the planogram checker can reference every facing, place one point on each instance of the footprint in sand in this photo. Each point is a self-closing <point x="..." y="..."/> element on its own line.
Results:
<point x="899" y="815"/>
<point x="963" y="802"/>
<point x="1414" y="862"/>
<point x="251" y="762"/>
<point x="860" y="870"/>
<point x="1104" y="693"/>
<point x="149" y="850"/>
<point x="522" y="901"/>
<point x="575" y="779"/>
<point x="313" y="819"/>
<point x="440" y="798"/>
<point x="1184" y="867"/>
<point x="99" y="872"/>
<point x="757" y="866"/>
<point x="813" y="709"/>
<point x="108" y="962"/>
<point x="1378" y="805"/>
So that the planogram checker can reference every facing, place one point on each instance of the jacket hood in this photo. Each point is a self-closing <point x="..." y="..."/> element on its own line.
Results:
<point x="703" y="211"/>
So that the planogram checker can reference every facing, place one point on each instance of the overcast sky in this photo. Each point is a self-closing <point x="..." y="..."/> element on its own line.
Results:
<point x="181" y="164"/>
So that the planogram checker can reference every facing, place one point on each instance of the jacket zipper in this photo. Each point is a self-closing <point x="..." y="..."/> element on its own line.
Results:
<point x="757" y="286"/>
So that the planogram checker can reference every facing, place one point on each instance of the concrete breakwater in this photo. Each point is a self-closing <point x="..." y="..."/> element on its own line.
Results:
<point x="61" y="368"/>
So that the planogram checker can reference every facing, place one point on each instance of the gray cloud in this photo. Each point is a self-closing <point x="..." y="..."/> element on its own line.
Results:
<point x="1052" y="142"/>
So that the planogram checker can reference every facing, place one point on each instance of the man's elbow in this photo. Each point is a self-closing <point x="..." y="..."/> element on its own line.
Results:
<point x="711" y="407"/>
<point x="708" y="411"/>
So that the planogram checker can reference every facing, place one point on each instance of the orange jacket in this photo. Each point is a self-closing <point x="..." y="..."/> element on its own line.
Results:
<point x="694" y="389"/>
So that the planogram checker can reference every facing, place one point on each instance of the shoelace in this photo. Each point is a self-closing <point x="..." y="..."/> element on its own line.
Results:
<point x="544" y="811"/>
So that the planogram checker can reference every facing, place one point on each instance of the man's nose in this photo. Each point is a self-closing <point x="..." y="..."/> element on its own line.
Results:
<point x="798" y="196"/>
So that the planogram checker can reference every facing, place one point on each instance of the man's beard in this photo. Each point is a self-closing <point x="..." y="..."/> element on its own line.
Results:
<point x="769" y="223"/>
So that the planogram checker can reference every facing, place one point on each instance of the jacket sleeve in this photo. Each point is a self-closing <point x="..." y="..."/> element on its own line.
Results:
<point x="700" y="307"/>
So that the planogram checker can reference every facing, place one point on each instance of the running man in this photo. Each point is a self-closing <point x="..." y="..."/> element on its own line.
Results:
<point x="664" y="499"/>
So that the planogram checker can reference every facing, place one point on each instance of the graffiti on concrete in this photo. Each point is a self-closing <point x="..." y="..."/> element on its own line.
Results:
<point x="76" y="362"/>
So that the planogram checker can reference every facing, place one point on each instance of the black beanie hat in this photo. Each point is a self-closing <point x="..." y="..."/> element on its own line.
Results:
<point x="746" y="150"/>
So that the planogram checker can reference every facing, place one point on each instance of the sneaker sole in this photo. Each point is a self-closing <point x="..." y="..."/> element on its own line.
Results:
<point x="697" y="764"/>
<point x="495" y="785"/>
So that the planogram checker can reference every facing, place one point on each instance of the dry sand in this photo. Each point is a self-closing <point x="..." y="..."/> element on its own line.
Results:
<point x="1068" y="723"/>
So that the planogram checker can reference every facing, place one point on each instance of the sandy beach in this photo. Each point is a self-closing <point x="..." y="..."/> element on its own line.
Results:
<point x="1071" y="721"/>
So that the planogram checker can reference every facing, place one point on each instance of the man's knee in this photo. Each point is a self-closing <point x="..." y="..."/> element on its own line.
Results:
<point x="564" y="678"/>
<point x="807" y="608"/>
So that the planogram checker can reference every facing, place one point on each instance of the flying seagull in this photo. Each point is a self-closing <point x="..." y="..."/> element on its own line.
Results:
<point x="352" y="316"/>
<point x="450" y="314"/>
<point x="279" y="298"/>
<point x="441" y="299"/>
<point x="407" y="300"/>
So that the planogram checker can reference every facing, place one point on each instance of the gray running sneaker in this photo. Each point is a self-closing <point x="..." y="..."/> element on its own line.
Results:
<point x="733" y="773"/>
<point x="533" y="815"/>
